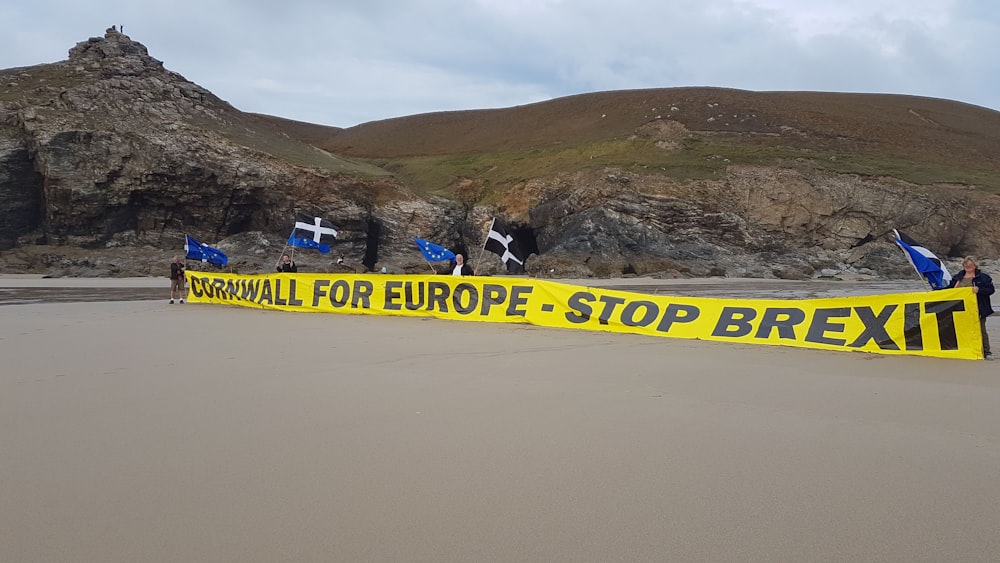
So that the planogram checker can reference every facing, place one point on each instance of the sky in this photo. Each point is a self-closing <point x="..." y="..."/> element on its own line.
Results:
<point x="346" y="62"/>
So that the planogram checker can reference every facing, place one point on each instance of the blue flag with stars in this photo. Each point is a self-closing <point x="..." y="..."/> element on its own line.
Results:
<point x="195" y="250"/>
<point x="433" y="252"/>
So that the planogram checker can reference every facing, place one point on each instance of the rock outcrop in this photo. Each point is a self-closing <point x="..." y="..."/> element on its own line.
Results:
<point x="110" y="149"/>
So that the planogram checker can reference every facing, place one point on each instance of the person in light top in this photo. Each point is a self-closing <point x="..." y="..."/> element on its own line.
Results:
<point x="461" y="268"/>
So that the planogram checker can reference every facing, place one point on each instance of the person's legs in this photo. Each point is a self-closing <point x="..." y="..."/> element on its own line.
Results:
<point x="174" y="284"/>
<point x="986" y="338"/>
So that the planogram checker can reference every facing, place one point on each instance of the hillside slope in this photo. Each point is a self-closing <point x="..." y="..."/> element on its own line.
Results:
<point x="923" y="140"/>
<point x="940" y="130"/>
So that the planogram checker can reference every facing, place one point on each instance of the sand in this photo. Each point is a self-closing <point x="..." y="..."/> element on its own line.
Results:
<point x="142" y="431"/>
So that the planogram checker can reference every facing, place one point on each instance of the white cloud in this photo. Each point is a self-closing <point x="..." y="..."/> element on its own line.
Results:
<point x="844" y="16"/>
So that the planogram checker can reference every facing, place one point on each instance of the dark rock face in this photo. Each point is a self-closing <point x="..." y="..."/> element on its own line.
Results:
<point x="99" y="184"/>
<point x="634" y="233"/>
<point x="21" y="199"/>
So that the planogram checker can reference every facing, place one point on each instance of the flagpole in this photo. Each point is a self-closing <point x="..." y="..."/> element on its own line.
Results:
<point x="922" y="277"/>
<point x="930" y="286"/>
<point x="431" y="266"/>
<point x="483" y="249"/>
<point x="284" y="248"/>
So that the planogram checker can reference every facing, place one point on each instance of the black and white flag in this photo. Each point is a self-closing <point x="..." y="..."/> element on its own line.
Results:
<point x="499" y="242"/>
<point x="312" y="232"/>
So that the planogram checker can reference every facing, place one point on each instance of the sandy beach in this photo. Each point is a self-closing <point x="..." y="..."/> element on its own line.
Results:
<point x="134" y="430"/>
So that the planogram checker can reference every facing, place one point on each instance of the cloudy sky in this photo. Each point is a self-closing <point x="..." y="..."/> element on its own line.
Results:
<point x="344" y="62"/>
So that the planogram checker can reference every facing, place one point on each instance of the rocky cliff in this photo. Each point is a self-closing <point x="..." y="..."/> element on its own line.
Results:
<point x="108" y="158"/>
<point x="110" y="150"/>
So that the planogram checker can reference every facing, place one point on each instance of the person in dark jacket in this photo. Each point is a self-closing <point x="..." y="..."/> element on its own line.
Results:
<point x="176" y="280"/>
<point x="286" y="265"/>
<point x="460" y="268"/>
<point x="982" y="286"/>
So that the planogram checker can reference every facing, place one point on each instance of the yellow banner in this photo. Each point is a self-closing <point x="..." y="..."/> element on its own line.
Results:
<point x="942" y="324"/>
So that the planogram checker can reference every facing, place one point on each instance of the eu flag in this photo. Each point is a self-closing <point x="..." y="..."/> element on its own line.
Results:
<point x="433" y="252"/>
<point x="308" y="243"/>
<point x="195" y="250"/>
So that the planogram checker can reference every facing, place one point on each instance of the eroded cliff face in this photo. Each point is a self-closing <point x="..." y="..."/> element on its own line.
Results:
<point x="120" y="153"/>
<point x="115" y="157"/>
<point x="757" y="222"/>
<point x="21" y="203"/>
<point x="113" y="150"/>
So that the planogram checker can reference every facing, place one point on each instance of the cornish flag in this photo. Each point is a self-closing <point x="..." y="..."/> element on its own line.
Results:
<point x="499" y="242"/>
<point x="312" y="232"/>
<point x="924" y="262"/>
<point x="433" y="252"/>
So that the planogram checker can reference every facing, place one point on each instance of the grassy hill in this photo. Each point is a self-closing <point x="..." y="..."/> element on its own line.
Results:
<point x="920" y="140"/>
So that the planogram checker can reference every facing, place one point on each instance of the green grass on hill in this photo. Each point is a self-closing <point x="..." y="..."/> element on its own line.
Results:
<point x="19" y="83"/>
<point x="301" y="154"/>
<point x="697" y="159"/>
<point x="916" y="139"/>
<point x="920" y="173"/>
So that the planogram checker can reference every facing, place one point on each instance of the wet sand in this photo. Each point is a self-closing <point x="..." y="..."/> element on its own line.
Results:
<point x="142" y="431"/>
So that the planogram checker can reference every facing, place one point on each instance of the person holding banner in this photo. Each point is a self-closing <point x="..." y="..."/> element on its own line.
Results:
<point x="461" y="268"/>
<point x="286" y="265"/>
<point x="982" y="285"/>
<point x="176" y="280"/>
